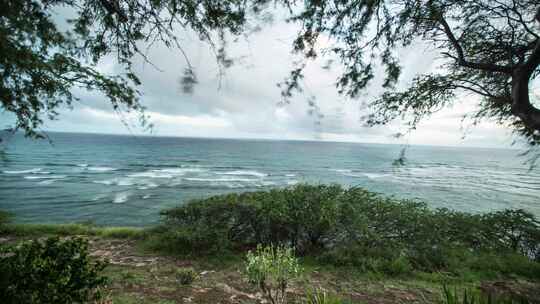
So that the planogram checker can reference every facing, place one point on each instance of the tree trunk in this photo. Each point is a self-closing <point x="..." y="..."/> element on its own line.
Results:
<point x="521" y="103"/>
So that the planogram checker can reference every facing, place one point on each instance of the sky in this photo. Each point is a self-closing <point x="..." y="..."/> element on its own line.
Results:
<point x="245" y="102"/>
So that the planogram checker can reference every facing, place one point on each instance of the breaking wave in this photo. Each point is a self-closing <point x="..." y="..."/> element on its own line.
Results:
<point x="101" y="169"/>
<point x="35" y="170"/>
<point x="243" y="173"/>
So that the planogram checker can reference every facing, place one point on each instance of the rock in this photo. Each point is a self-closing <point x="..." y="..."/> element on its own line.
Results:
<point x="228" y="289"/>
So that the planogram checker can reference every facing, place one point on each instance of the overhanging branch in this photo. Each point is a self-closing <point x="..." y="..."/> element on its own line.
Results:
<point x="114" y="9"/>
<point x="462" y="61"/>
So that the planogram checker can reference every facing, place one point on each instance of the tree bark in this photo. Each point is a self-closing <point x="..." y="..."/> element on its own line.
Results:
<point x="521" y="102"/>
<point x="521" y="105"/>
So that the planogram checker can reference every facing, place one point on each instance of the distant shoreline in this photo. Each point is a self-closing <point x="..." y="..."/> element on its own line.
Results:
<point x="306" y="140"/>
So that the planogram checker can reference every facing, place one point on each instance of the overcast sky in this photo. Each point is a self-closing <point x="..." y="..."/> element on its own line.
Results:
<point x="246" y="105"/>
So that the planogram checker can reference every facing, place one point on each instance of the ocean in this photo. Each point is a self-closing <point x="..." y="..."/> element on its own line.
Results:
<point x="126" y="180"/>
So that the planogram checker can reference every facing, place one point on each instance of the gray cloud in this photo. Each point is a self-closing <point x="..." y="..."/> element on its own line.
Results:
<point x="246" y="105"/>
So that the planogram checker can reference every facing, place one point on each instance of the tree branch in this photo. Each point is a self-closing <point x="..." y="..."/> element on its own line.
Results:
<point x="114" y="9"/>
<point x="490" y="67"/>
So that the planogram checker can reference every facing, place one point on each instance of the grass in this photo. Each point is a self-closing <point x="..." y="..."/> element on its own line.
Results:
<point x="151" y="284"/>
<point x="33" y="230"/>
<point x="222" y="277"/>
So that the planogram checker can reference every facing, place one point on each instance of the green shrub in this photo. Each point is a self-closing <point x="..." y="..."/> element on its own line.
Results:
<point x="368" y="261"/>
<point x="186" y="242"/>
<point x="49" y="271"/>
<point x="271" y="269"/>
<point x="470" y="296"/>
<point x="186" y="276"/>
<point x="304" y="217"/>
<point x="513" y="230"/>
<point x="505" y="264"/>
<point x="5" y="217"/>
<point x="353" y="227"/>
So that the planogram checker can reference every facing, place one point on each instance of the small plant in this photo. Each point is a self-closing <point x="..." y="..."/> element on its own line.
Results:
<point x="186" y="276"/>
<point x="130" y="277"/>
<point x="271" y="269"/>
<point x="475" y="297"/>
<point x="49" y="271"/>
<point x="398" y="266"/>
<point x="319" y="296"/>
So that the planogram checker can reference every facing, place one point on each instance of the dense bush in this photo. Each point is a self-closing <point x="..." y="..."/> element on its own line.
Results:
<point x="49" y="271"/>
<point x="354" y="227"/>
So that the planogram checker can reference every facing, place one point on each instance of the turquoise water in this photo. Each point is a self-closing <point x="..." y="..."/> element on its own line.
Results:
<point x="127" y="180"/>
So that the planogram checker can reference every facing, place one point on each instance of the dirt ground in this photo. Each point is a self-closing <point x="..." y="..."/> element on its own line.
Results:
<point x="138" y="276"/>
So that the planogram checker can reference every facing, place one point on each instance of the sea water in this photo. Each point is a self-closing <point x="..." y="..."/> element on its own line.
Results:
<point x="127" y="180"/>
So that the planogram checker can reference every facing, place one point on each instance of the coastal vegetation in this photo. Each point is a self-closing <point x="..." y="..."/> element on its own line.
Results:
<point x="306" y="244"/>
<point x="356" y="228"/>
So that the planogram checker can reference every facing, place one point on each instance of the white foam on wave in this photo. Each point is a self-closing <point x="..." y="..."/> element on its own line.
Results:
<point x="375" y="175"/>
<point x="292" y="182"/>
<point x="35" y="170"/>
<point x="116" y="181"/>
<point x="125" y="182"/>
<point x="99" y="197"/>
<point x="146" y="196"/>
<point x="148" y="186"/>
<point x="243" y="173"/>
<point x="290" y="175"/>
<point x="166" y="173"/>
<point x="234" y="185"/>
<point x="45" y="177"/>
<point x="101" y="169"/>
<point x="82" y="165"/>
<point x="121" y="198"/>
<point x="104" y="182"/>
<point x="180" y="171"/>
<point x="47" y="182"/>
<point x="150" y="174"/>
<point x="342" y="170"/>
<point x="151" y="185"/>
<point x="226" y="179"/>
